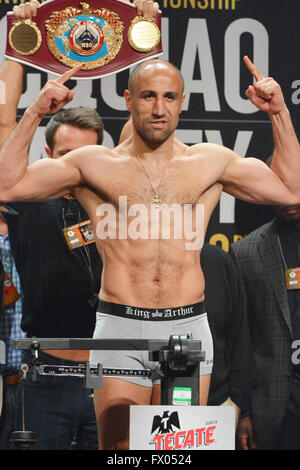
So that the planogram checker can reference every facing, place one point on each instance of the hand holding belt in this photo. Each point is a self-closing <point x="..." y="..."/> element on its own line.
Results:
<point x="106" y="36"/>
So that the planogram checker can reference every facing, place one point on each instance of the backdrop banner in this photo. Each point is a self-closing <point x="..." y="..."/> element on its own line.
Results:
<point x="206" y="40"/>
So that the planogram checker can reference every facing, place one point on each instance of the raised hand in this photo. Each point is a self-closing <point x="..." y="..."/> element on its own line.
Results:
<point x="266" y="93"/>
<point x="146" y="8"/>
<point x="54" y="95"/>
<point x="26" y="10"/>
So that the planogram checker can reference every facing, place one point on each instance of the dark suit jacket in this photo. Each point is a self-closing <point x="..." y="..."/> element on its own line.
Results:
<point x="232" y="374"/>
<point x="259" y="260"/>
<point x="1" y="285"/>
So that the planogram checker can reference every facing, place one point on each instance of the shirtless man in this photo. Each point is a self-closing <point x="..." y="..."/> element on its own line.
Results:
<point x="152" y="274"/>
<point x="59" y="432"/>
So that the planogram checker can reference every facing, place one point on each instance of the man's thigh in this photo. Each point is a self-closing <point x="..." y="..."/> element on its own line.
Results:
<point x="112" y="403"/>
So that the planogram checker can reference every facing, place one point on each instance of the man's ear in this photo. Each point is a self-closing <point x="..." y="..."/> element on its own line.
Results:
<point x="127" y="97"/>
<point x="48" y="151"/>
<point x="182" y="100"/>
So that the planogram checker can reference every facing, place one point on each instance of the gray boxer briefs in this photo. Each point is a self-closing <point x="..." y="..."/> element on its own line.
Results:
<point x="115" y="321"/>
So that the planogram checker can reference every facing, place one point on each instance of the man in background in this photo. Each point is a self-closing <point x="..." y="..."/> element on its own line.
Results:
<point x="233" y="371"/>
<point x="10" y="321"/>
<point x="268" y="260"/>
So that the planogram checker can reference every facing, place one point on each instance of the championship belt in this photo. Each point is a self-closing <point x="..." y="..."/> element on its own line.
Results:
<point x="105" y="35"/>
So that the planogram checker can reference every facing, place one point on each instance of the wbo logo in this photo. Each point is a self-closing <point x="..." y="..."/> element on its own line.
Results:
<point x="169" y="438"/>
<point x="86" y="37"/>
<point x="92" y="37"/>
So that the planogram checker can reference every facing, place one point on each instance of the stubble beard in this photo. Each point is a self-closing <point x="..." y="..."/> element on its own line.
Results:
<point x="154" y="137"/>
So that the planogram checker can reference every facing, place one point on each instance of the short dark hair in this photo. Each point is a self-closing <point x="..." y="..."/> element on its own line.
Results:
<point x="83" y="118"/>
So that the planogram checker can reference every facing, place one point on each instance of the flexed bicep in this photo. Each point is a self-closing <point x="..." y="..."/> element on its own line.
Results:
<point x="44" y="179"/>
<point x="252" y="180"/>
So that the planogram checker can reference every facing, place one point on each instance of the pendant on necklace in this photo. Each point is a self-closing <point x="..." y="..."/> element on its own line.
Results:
<point x="156" y="200"/>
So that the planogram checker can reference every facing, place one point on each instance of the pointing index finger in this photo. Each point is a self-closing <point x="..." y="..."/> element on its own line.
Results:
<point x="253" y="69"/>
<point x="68" y="74"/>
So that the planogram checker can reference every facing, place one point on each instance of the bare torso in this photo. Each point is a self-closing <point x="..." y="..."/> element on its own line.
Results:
<point x="145" y="262"/>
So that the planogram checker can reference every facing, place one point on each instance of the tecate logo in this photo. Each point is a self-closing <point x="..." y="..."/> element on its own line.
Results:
<point x="167" y="438"/>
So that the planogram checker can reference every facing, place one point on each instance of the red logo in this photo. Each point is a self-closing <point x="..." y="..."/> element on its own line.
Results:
<point x="183" y="439"/>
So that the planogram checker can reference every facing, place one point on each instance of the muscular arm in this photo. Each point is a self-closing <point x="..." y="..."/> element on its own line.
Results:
<point x="47" y="179"/>
<point x="286" y="156"/>
<point x="14" y="142"/>
<point x="11" y="75"/>
<point x="250" y="179"/>
<point x="14" y="151"/>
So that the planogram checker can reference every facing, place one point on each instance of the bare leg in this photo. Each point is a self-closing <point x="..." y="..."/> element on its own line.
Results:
<point x="155" y="398"/>
<point x="112" y="403"/>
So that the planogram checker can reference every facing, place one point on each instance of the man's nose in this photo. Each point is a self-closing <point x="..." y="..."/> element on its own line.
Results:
<point x="159" y="107"/>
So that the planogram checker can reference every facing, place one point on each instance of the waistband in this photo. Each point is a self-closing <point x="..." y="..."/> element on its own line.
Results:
<point x="152" y="314"/>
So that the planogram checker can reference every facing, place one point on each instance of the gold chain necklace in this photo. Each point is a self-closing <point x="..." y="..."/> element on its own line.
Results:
<point x="156" y="198"/>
